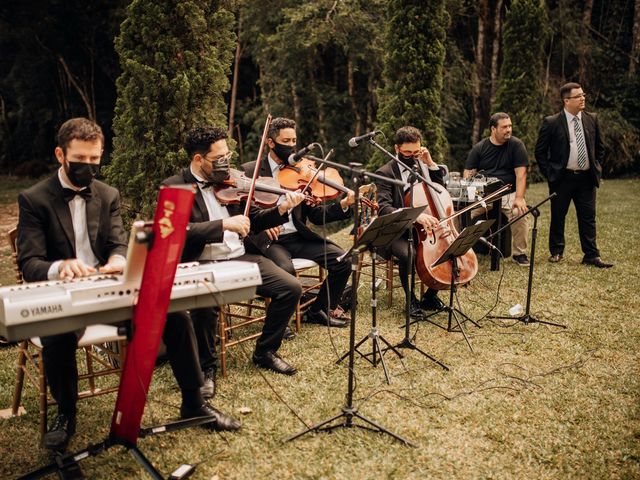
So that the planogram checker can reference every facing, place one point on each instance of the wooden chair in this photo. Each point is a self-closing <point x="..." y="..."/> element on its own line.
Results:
<point x="99" y="360"/>
<point x="238" y="316"/>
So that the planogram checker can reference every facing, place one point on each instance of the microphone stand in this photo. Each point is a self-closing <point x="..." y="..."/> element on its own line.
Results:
<point x="526" y="317"/>
<point x="349" y="411"/>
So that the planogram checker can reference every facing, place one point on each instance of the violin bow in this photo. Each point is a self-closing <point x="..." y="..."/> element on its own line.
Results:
<point x="256" y="171"/>
<point x="492" y="196"/>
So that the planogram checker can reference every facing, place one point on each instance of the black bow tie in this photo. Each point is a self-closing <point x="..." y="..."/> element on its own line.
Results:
<point x="206" y="184"/>
<point x="69" y="194"/>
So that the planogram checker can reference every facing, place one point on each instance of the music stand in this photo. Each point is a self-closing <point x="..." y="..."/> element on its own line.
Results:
<point x="349" y="411"/>
<point x="379" y="233"/>
<point x="461" y="245"/>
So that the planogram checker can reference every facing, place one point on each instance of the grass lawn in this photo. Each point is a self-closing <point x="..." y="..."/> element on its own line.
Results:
<point x="531" y="402"/>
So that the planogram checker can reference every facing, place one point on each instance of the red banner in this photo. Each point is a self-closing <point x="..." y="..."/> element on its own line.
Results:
<point x="149" y="314"/>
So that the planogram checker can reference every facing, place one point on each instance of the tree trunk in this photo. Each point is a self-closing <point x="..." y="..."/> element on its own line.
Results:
<point x="352" y="98"/>
<point x="635" y="43"/>
<point x="82" y="91"/>
<point x="495" y="48"/>
<point x="584" y="50"/>
<point x="234" y="83"/>
<point x="478" y="77"/>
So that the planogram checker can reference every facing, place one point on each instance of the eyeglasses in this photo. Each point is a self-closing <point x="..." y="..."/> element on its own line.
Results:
<point x="409" y="154"/>
<point x="580" y="95"/>
<point x="220" y="158"/>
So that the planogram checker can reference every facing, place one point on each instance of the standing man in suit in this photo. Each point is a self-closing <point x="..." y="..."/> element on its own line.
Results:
<point x="70" y="226"/>
<point x="409" y="149"/>
<point x="294" y="239"/>
<point x="219" y="232"/>
<point x="570" y="152"/>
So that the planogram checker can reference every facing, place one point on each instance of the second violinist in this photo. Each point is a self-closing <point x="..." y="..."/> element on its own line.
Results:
<point x="295" y="240"/>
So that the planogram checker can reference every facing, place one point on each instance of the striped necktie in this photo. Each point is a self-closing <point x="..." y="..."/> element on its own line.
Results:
<point x="580" y="143"/>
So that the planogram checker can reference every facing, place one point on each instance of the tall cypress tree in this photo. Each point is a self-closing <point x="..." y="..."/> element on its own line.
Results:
<point x="520" y="89"/>
<point x="175" y="58"/>
<point x="413" y="70"/>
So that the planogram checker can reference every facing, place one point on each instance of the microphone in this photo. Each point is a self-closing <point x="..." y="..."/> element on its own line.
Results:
<point x="487" y="243"/>
<point x="296" y="157"/>
<point x="355" y="141"/>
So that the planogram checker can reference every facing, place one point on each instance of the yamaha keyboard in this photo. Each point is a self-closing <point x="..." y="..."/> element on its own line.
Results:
<point x="49" y="308"/>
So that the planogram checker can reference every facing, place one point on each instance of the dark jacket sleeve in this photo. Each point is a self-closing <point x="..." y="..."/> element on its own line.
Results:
<point x="384" y="195"/>
<point x="31" y="243"/>
<point x="117" y="241"/>
<point x="542" y="147"/>
<point x="321" y="214"/>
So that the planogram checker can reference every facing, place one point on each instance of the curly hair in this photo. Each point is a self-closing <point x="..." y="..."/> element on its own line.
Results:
<point x="407" y="135"/>
<point x="79" y="128"/>
<point x="278" y="124"/>
<point x="199" y="139"/>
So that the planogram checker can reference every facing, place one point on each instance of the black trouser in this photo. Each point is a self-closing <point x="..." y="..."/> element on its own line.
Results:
<point x="399" y="248"/>
<point x="580" y="188"/>
<point x="59" y="359"/>
<point x="294" y="246"/>
<point x="283" y="289"/>
<point x="205" y="324"/>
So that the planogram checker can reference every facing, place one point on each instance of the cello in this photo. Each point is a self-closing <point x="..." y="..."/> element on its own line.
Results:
<point x="429" y="249"/>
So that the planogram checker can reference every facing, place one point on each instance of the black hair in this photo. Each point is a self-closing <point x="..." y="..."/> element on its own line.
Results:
<point x="407" y="135"/>
<point x="278" y="124"/>
<point x="199" y="139"/>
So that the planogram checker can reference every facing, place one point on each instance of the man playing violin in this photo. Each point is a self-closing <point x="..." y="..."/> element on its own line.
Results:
<point x="219" y="232"/>
<point x="409" y="149"/>
<point x="294" y="239"/>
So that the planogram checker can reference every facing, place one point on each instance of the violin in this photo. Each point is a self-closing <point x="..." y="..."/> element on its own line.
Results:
<point x="237" y="187"/>
<point x="321" y="184"/>
<point x="440" y="206"/>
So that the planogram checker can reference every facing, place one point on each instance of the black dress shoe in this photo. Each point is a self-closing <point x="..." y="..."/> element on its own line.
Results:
<point x="208" y="390"/>
<point x="61" y="431"/>
<point x="322" y="318"/>
<point x="220" y="422"/>
<point x="289" y="334"/>
<point x="273" y="361"/>
<point x="431" y="302"/>
<point x="415" y="311"/>
<point x="596" y="262"/>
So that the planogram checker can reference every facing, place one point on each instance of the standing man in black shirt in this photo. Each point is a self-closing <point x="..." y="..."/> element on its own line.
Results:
<point x="504" y="156"/>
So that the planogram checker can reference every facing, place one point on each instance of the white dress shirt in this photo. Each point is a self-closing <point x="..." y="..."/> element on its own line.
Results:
<point x="84" y="252"/>
<point x="572" y="163"/>
<point x="231" y="245"/>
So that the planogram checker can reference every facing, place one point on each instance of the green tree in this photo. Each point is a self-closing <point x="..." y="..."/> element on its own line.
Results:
<point x="175" y="59"/>
<point x="520" y="88"/>
<point x="413" y="71"/>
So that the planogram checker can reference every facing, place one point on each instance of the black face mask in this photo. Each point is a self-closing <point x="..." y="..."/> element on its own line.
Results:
<point x="409" y="161"/>
<point x="220" y="171"/>
<point x="283" y="152"/>
<point x="81" y="174"/>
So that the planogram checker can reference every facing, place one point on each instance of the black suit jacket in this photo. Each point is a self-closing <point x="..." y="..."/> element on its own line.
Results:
<point x="45" y="229"/>
<point x="317" y="215"/>
<point x="552" y="146"/>
<point x="203" y="230"/>
<point x="391" y="197"/>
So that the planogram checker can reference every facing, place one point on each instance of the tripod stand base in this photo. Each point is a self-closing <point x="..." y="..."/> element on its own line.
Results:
<point x="406" y="343"/>
<point x="347" y="415"/>
<point x="376" y="351"/>
<point x="526" y="319"/>
<point x="67" y="467"/>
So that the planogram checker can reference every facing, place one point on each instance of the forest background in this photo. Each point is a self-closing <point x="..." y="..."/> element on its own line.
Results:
<point x="148" y="71"/>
